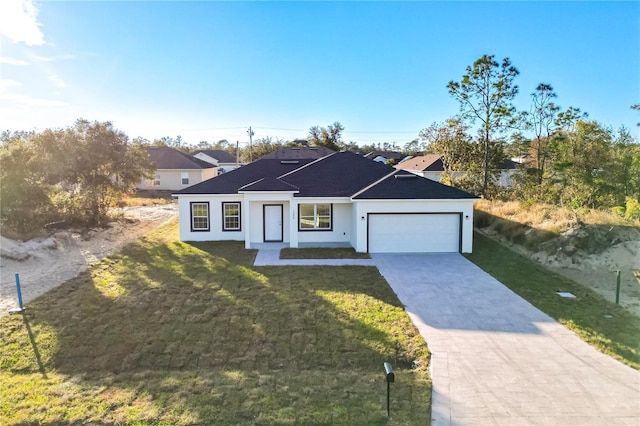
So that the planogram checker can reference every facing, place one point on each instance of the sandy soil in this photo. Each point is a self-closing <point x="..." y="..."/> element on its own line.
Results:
<point x="44" y="263"/>
<point x="596" y="271"/>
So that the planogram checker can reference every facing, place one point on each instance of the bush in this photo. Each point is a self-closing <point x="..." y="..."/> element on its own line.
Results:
<point x="632" y="210"/>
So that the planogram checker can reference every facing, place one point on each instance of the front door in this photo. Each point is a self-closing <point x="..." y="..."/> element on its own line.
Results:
<point x="272" y="222"/>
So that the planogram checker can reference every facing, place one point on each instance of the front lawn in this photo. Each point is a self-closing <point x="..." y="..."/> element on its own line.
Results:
<point x="167" y="332"/>
<point x="603" y="324"/>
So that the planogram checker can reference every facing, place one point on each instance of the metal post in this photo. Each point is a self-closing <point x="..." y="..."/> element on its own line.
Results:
<point x="19" y="292"/>
<point x="388" y="393"/>
<point x="617" y="287"/>
<point x="390" y="377"/>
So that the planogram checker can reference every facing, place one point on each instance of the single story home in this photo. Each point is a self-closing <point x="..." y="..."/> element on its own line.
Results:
<point x="340" y="198"/>
<point x="431" y="167"/>
<point x="219" y="158"/>
<point x="175" y="170"/>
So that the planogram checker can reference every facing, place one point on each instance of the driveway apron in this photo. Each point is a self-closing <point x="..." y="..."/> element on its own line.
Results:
<point x="496" y="359"/>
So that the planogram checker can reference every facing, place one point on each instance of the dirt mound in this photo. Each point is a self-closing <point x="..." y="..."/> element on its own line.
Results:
<point x="44" y="263"/>
<point x="588" y="253"/>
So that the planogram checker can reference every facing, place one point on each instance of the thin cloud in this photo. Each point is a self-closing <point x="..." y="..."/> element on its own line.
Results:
<point x="6" y="84"/>
<point x="12" y="61"/>
<point x="57" y="81"/>
<point x="19" y="22"/>
<point x="65" y="57"/>
<point x="20" y="100"/>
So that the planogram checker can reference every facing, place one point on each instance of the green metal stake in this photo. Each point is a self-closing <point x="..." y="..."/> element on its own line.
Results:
<point x="617" y="287"/>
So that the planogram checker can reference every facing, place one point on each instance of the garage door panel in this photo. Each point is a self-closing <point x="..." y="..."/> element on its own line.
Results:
<point x="414" y="233"/>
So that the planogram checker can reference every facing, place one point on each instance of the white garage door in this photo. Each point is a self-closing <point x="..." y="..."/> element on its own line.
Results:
<point x="414" y="233"/>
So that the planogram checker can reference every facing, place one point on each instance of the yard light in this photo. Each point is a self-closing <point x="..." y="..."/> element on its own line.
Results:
<point x="390" y="379"/>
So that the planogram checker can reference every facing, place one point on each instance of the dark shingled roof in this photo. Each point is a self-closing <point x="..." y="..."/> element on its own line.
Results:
<point x="165" y="157"/>
<point x="339" y="175"/>
<point x="218" y="154"/>
<point x="299" y="152"/>
<point x="407" y="186"/>
<point x="231" y="182"/>
<point x="270" y="184"/>
<point x="342" y="174"/>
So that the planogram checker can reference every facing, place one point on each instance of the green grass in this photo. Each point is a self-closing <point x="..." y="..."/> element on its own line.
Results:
<point x="618" y="336"/>
<point x="322" y="253"/>
<point x="168" y="333"/>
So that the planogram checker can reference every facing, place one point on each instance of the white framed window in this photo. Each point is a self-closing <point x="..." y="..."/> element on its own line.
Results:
<point x="184" y="177"/>
<point x="231" y="217"/>
<point x="199" y="216"/>
<point x="315" y="217"/>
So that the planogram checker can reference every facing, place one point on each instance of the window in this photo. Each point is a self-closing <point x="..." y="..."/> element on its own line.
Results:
<point x="185" y="178"/>
<point x="314" y="217"/>
<point x="199" y="216"/>
<point x="230" y="216"/>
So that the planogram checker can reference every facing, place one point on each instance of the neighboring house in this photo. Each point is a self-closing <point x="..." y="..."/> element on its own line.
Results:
<point x="429" y="166"/>
<point x="340" y="198"/>
<point x="298" y="153"/>
<point x="176" y="170"/>
<point x="222" y="159"/>
<point x="509" y="168"/>
<point x="384" y="156"/>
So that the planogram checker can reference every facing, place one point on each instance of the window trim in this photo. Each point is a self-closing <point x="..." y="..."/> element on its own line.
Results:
<point x="315" y="215"/>
<point x="191" y="205"/>
<point x="239" y="228"/>
<point x="183" y="178"/>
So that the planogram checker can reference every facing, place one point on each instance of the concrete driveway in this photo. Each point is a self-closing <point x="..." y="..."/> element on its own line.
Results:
<point x="497" y="360"/>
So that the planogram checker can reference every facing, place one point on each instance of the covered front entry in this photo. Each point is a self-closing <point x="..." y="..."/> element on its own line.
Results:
<point x="414" y="233"/>
<point x="272" y="222"/>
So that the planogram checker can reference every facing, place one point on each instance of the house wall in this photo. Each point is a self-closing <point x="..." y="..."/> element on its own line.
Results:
<point x="215" y="232"/>
<point x="363" y="207"/>
<point x="342" y="224"/>
<point x="172" y="179"/>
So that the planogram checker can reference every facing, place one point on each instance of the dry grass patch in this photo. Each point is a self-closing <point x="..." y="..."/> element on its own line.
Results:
<point x="167" y="332"/>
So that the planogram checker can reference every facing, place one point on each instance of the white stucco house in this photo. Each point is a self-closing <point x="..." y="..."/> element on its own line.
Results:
<point x="340" y="198"/>
<point x="224" y="161"/>
<point x="431" y="167"/>
<point x="175" y="170"/>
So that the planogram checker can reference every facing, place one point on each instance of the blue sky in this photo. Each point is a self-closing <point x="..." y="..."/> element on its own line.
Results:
<point x="209" y="70"/>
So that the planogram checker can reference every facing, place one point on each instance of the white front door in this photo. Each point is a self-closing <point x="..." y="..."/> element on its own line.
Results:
<point x="272" y="222"/>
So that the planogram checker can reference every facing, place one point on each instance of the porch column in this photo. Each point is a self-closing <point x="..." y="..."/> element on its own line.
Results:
<point x="246" y="219"/>
<point x="293" y="223"/>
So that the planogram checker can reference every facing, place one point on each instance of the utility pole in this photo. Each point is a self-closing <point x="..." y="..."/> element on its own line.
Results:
<point x="250" y="132"/>
<point x="237" y="154"/>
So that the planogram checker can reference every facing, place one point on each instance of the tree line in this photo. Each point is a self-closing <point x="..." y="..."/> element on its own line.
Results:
<point x="77" y="174"/>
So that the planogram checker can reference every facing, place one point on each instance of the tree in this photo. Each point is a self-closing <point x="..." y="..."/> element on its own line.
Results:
<point x="541" y="120"/>
<point x="585" y="166"/>
<point x="414" y="148"/>
<point x="24" y="200"/>
<point x="329" y="137"/>
<point x="95" y="162"/>
<point x="461" y="156"/>
<point x="260" y="148"/>
<point x="485" y="93"/>
<point x="637" y="108"/>
<point x="567" y="119"/>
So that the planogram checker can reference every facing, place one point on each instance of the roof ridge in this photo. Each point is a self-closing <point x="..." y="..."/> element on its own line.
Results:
<point x="250" y="183"/>
<point x="371" y="185"/>
<point x="307" y="165"/>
